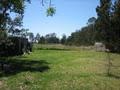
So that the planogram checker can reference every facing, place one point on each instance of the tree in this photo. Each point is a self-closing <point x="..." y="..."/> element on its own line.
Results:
<point x="108" y="24"/>
<point x="69" y="40"/>
<point x="42" y="40"/>
<point x="17" y="7"/>
<point x="14" y="24"/>
<point x="63" y="39"/>
<point x="115" y="23"/>
<point x="103" y="21"/>
<point x="37" y="38"/>
<point x="91" y="29"/>
<point x="24" y="32"/>
<point x="3" y="35"/>
<point x="84" y="36"/>
<point x="10" y="6"/>
<point x="51" y="38"/>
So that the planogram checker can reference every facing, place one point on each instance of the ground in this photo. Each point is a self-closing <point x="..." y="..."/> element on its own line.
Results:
<point x="56" y="67"/>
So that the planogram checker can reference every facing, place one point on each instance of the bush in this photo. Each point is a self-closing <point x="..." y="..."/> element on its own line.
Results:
<point x="114" y="47"/>
<point x="13" y="46"/>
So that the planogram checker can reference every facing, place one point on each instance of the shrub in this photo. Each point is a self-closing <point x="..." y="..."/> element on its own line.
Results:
<point x="13" y="46"/>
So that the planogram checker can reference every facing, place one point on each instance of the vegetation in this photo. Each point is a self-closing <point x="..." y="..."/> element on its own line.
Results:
<point x="106" y="28"/>
<point x="50" y="38"/>
<point x="17" y="45"/>
<point x="51" y="69"/>
<point x="52" y="66"/>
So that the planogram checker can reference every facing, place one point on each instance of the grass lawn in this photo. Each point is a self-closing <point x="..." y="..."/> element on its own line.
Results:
<point x="61" y="68"/>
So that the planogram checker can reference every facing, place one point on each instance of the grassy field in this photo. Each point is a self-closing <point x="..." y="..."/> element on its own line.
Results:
<point x="56" y="67"/>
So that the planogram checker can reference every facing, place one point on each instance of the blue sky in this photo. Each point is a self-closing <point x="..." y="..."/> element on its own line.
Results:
<point x="70" y="16"/>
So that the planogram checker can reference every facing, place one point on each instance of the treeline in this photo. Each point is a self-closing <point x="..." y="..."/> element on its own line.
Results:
<point x="105" y="28"/>
<point x="47" y="39"/>
<point x="86" y="36"/>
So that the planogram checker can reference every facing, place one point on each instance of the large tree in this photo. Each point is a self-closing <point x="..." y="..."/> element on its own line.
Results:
<point x="108" y="24"/>
<point x="115" y="25"/>
<point x="10" y="6"/>
<point x="17" y="7"/>
<point x="103" y="21"/>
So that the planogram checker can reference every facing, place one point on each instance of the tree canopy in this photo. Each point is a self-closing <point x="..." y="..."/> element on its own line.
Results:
<point x="17" y="7"/>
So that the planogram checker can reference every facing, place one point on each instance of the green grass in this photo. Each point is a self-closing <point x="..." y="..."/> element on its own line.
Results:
<point x="56" y="67"/>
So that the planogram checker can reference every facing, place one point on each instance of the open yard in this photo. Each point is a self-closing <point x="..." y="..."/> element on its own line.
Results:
<point x="61" y="68"/>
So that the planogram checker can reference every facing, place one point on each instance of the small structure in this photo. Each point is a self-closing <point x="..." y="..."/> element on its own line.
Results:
<point x="99" y="46"/>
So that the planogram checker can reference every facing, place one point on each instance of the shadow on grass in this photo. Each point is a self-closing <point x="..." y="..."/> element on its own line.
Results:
<point x="14" y="66"/>
<point x="60" y="49"/>
<point x="114" y="76"/>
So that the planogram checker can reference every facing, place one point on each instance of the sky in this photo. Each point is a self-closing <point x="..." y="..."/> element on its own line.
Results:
<point x="70" y="16"/>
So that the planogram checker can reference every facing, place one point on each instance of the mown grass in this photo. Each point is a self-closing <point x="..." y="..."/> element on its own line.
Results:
<point x="56" y="67"/>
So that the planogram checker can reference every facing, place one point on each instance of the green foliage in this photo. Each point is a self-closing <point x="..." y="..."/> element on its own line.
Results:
<point x="85" y="36"/>
<point x="103" y="20"/>
<point x="17" y="45"/>
<point x="106" y="28"/>
<point x="63" y="40"/>
<point x="24" y="32"/>
<point x="6" y="46"/>
<point x="107" y="24"/>
<point x="8" y="6"/>
<point x="3" y="34"/>
<point x="17" y="7"/>
<point x="49" y="39"/>
<point x="42" y="40"/>
<point x="51" y="11"/>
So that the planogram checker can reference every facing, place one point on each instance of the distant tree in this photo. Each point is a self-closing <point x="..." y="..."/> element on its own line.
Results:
<point x="63" y="39"/>
<point x="51" y="38"/>
<point x="37" y="38"/>
<point x="69" y="40"/>
<point x="42" y="40"/>
<point x="85" y="36"/>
